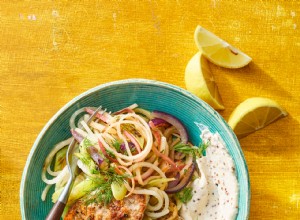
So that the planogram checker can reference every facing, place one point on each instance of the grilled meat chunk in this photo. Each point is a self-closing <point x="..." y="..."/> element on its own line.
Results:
<point x="130" y="208"/>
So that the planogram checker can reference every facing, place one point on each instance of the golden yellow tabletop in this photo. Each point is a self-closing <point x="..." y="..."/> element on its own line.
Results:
<point x="51" y="51"/>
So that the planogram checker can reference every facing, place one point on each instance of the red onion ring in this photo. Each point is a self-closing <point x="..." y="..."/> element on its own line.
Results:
<point x="95" y="155"/>
<point x="185" y="180"/>
<point x="165" y="158"/>
<point x="124" y="110"/>
<point x="133" y="140"/>
<point x="175" y="182"/>
<point x="98" y="115"/>
<point x="159" y="122"/>
<point x="103" y="150"/>
<point x="123" y="147"/>
<point x="173" y="121"/>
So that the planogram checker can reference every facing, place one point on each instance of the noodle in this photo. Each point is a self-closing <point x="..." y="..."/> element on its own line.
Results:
<point x="126" y="142"/>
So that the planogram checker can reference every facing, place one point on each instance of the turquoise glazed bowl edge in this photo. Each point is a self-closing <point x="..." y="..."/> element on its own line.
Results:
<point x="149" y="94"/>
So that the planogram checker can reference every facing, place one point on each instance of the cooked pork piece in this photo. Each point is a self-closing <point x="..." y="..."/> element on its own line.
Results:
<point x="130" y="208"/>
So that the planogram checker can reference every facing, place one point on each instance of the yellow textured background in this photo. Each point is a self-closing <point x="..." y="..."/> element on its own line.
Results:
<point x="51" y="51"/>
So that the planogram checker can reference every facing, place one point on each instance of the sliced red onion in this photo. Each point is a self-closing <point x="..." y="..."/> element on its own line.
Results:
<point x="173" y="121"/>
<point x="128" y="109"/>
<point x="175" y="182"/>
<point x="165" y="158"/>
<point x="158" y="122"/>
<point x="133" y="140"/>
<point x="185" y="180"/>
<point x="103" y="117"/>
<point x="124" y="110"/>
<point x="78" y="137"/>
<point x="95" y="155"/>
<point x="103" y="150"/>
<point x="123" y="147"/>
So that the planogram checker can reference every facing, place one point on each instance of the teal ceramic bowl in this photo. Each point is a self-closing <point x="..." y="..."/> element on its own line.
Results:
<point x="151" y="95"/>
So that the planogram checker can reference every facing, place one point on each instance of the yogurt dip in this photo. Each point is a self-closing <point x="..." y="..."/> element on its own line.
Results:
<point x="215" y="192"/>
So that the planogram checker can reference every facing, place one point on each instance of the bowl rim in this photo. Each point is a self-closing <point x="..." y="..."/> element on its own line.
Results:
<point x="223" y="123"/>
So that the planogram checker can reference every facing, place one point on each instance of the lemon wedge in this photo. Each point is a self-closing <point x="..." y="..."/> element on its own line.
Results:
<point x="200" y="81"/>
<point x="253" y="114"/>
<point x="218" y="51"/>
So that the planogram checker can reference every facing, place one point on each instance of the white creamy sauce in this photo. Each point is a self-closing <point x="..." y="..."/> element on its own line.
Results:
<point x="215" y="192"/>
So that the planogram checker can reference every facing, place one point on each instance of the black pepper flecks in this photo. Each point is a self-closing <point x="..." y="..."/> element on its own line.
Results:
<point x="218" y="164"/>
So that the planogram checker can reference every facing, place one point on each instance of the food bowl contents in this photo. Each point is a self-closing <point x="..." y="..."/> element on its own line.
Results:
<point x="137" y="164"/>
<point x="215" y="192"/>
<point x="131" y="207"/>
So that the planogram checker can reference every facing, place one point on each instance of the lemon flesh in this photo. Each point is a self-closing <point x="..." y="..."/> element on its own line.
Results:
<point x="218" y="51"/>
<point x="253" y="114"/>
<point x="200" y="81"/>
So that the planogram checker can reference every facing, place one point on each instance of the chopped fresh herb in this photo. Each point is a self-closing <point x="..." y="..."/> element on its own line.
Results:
<point x="193" y="150"/>
<point x="103" y="193"/>
<point x="88" y="161"/>
<point x="203" y="147"/>
<point x="184" y="148"/>
<point x="185" y="195"/>
<point x="111" y="176"/>
<point x="86" y="143"/>
<point x="110" y="153"/>
<point x="117" y="145"/>
<point x="85" y="157"/>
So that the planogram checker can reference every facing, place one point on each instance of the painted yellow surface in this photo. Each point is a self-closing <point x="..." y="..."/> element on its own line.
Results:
<point x="51" y="51"/>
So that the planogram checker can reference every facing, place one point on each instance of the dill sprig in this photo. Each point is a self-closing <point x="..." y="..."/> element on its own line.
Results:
<point x="110" y="153"/>
<point x="111" y="176"/>
<point x="191" y="150"/>
<point x="103" y="193"/>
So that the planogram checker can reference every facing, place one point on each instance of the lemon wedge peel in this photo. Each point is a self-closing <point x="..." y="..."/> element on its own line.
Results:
<point x="219" y="51"/>
<point x="253" y="114"/>
<point x="200" y="81"/>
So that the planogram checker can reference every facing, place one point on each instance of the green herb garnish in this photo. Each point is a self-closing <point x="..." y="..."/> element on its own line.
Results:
<point x="86" y="143"/>
<point x="185" y="195"/>
<point x="111" y="176"/>
<point x="117" y="145"/>
<point x="110" y="153"/>
<point x="103" y="193"/>
<point x="85" y="157"/>
<point x="202" y="148"/>
<point x="191" y="150"/>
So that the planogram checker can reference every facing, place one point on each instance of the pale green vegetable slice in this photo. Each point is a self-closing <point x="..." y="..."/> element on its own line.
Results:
<point x="119" y="190"/>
